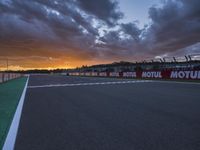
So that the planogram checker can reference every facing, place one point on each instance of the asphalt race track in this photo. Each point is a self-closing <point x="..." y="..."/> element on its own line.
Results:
<point x="82" y="113"/>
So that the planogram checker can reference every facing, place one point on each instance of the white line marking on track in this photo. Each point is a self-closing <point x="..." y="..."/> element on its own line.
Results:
<point x="178" y="82"/>
<point x="12" y="133"/>
<point x="83" y="84"/>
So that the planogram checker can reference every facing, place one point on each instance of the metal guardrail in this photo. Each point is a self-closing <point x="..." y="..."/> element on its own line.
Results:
<point x="186" y="58"/>
<point x="9" y="76"/>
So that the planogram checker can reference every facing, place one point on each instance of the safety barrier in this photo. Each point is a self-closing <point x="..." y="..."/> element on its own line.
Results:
<point x="8" y="76"/>
<point x="150" y="74"/>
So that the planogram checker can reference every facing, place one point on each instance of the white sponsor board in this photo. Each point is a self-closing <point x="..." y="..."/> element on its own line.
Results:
<point x="102" y="74"/>
<point x="82" y="73"/>
<point x="77" y="74"/>
<point x="94" y="74"/>
<point x="129" y="74"/>
<point x="87" y="74"/>
<point x="74" y="74"/>
<point x="114" y="74"/>
<point x="152" y="74"/>
<point x="185" y="75"/>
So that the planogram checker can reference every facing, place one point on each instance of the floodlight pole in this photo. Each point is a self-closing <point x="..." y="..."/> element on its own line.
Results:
<point x="174" y="59"/>
<point x="190" y="58"/>
<point x="164" y="60"/>
<point x="186" y="58"/>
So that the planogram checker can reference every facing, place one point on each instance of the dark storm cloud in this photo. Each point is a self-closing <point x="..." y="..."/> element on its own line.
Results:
<point x="132" y="30"/>
<point x="113" y="41"/>
<point x="54" y="24"/>
<point x="58" y="16"/>
<point x="175" y="26"/>
<point x="67" y="27"/>
<point x="105" y="10"/>
<point x="122" y="43"/>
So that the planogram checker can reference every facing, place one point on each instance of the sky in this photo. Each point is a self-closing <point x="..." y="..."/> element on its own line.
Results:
<point x="137" y="10"/>
<point x="38" y="34"/>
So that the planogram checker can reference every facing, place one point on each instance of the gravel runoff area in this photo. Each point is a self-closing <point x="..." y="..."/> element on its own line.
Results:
<point x="10" y="93"/>
<point x="80" y="113"/>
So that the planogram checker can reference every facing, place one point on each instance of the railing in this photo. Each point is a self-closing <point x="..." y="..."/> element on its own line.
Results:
<point x="186" y="58"/>
<point x="9" y="76"/>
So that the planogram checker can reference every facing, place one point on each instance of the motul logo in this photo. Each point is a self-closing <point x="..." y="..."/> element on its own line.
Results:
<point x="87" y="73"/>
<point x="185" y="74"/>
<point x="114" y="74"/>
<point x="129" y="74"/>
<point x="102" y="74"/>
<point x="151" y="74"/>
<point x="94" y="74"/>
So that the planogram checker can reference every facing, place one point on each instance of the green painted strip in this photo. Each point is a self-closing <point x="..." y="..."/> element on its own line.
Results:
<point x="10" y="93"/>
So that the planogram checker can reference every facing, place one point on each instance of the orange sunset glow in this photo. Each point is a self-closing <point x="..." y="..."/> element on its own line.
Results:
<point x="54" y="34"/>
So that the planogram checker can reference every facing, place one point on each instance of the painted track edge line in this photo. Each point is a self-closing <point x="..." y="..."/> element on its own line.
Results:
<point x="9" y="143"/>
<point x="84" y="84"/>
<point x="178" y="82"/>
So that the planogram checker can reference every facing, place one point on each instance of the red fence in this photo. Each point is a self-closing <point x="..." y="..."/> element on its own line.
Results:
<point x="8" y="76"/>
<point x="153" y="74"/>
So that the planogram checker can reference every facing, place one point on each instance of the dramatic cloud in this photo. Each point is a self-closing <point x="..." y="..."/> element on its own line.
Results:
<point x="104" y="9"/>
<point x="88" y="31"/>
<point x="175" y="26"/>
<point x="50" y="25"/>
<point x="132" y="30"/>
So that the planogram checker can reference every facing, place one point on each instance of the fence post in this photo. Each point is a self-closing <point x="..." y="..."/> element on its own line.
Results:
<point x="2" y="77"/>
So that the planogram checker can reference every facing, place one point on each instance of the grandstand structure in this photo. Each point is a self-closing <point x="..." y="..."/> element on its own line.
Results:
<point x="165" y="63"/>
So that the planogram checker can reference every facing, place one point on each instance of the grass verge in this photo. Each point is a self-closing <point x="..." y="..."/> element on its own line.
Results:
<point x="10" y="93"/>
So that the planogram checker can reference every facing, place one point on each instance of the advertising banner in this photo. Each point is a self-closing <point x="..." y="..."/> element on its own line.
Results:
<point x="171" y="74"/>
<point x="151" y="74"/>
<point x="195" y="74"/>
<point x="129" y="75"/>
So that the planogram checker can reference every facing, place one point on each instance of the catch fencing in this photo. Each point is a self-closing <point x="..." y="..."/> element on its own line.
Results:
<point x="9" y="76"/>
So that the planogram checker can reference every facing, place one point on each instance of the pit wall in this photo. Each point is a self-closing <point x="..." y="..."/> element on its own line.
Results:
<point x="9" y="76"/>
<point x="151" y="74"/>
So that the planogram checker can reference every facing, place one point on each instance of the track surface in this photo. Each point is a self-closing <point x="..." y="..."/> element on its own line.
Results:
<point x="136" y="116"/>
